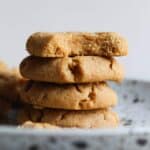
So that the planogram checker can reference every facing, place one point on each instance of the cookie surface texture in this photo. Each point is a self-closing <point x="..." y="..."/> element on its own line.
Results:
<point x="64" y="44"/>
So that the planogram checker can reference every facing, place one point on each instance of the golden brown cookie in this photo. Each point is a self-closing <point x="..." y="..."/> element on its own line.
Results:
<point x="63" y="44"/>
<point x="37" y="125"/>
<point x="69" y="96"/>
<point x="70" y="118"/>
<point x="80" y="69"/>
<point x="10" y="82"/>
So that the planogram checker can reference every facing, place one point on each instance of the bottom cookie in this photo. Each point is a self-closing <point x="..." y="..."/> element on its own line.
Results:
<point x="70" y="118"/>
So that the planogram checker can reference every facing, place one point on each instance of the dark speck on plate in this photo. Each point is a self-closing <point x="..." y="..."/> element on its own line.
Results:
<point x="136" y="100"/>
<point x="141" y="142"/>
<point x="127" y="122"/>
<point x="80" y="144"/>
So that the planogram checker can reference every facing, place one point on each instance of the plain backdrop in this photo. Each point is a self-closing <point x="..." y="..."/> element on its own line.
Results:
<point x="131" y="18"/>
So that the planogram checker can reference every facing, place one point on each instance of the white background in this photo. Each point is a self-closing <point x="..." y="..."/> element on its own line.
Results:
<point x="131" y="18"/>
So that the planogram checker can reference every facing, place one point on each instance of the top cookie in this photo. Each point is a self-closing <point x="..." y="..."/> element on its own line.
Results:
<point x="64" y="44"/>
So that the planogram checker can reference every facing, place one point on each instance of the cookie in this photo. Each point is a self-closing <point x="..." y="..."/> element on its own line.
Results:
<point x="5" y="108"/>
<point x="64" y="44"/>
<point x="69" y="96"/>
<point x="10" y="82"/>
<point x="70" y="118"/>
<point x="79" y="69"/>
<point x="30" y="124"/>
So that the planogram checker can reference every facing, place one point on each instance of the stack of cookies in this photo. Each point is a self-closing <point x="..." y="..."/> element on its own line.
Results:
<point x="67" y="75"/>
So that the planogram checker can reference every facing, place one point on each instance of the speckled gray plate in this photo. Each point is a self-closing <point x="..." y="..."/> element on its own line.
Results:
<point x="133" y="133"/>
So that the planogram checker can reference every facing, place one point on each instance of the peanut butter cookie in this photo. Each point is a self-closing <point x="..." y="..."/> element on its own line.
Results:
<point x="46" y="44"/>
<point x="79" y="69"/>
<point x="72" y="96"/>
